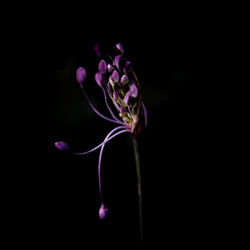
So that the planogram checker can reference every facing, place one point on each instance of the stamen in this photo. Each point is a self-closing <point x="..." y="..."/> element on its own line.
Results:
<point x="145" y="114"/>
<point x="100" y="158"/>
<point x="97" y="112"/>
<point x="106" y="139"/>
<point x="110" y="110"/>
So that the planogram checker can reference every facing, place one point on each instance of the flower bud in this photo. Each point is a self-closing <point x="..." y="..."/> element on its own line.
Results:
<point x="124" y="80"/>
<point x="80" y="75"/>
<point x="119" y="47"/>
<point x="118" y="61"/>
<point x="133" y="90"/>
<point x="103" y="212"/>
<point x="126" y="99"/>
<point x="115" y="76"/>
<point x="62" y="146"/>
<point x="127" y="67"/>
<point x="100" y="79"/>
<point x="110" y="68"/>
<point x="102" y="67"/>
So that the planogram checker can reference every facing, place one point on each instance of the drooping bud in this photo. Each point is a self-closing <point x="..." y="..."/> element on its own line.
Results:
<point x="102" y="67"/>
<point x="80" y="75"/>
<point x="100" y="79"/>
<point x="133" y="90"/>
<point x="127" y="67"/>
<point x="124" y="80"/>
<point x="103" y="212"/>
<point x="115" y="76"/>
<point x="110" y="68"/>
<point x="119" y="47"/>
<point x="62" y="146"/>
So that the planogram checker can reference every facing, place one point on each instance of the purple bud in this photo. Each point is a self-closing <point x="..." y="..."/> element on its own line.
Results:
<point x="62" y="146"/>
<point x="100" y="79"/>
<point x="126" y="99"/>
<point x="80" y="75"/>
<point x="116" y="96"/>
<point x="97" y="50"/>
<point x="110" y="68"/>
<point x="133" y="90"/>
<point x="124" y="79"/>
<point x="115" y="76"/>
<point x="119" y="47"/>
<point x="118" y="60"/>
<point x="103" y="212"/>
<point x="102" y="67"/>
<point x="127" y="67"/>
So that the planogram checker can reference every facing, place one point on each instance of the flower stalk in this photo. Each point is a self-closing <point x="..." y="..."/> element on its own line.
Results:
<point x="138" y="172"/>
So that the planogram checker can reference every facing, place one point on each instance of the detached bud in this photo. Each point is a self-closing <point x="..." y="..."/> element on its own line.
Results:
<point x="100" y="79"/>
<point x="62" y="146"/>
<point x="103" y="212"/>
<point x="80" y="75"/>
<point x="102" y="67"/>
<point x="119" y="47"/>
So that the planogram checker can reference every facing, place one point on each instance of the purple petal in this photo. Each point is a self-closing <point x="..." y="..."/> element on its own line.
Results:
<point x="117" y="61"/>
<point x="126" y="99"/>
<point x="133" y="90"/>
<point x="62" y="146"/>
<point x="119" y="47"/>
<point x="80" y="75"/>
<point x="100" y="79"/>
<point x="103" y="212"/>
<point x="115" y="76"/>
<point x="102" y="67"/>
<point x="127" y="67"/>
<point x="124" y="79"/>
<point x="110" y="68"/>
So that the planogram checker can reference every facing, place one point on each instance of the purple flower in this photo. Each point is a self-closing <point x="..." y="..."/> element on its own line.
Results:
<point x="122" y="88"/>
<point x="80" y="75"/>
<point x="62" y="146"/>
<point x="103" y="212"/>
<point x="100" y="79"/>
<point x="119" y="48"/>
<point x="102" y="67"/>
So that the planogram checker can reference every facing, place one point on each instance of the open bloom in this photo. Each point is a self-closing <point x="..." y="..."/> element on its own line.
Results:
<point x="118" y="81"/>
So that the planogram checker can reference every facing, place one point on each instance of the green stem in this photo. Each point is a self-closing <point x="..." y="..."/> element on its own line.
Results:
<point x="138" y="171"/>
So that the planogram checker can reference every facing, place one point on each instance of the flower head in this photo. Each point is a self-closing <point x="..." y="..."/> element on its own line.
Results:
<point x="118" y="81"/>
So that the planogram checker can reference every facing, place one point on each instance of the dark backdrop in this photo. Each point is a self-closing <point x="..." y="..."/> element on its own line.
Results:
<point x="168" y="53"/>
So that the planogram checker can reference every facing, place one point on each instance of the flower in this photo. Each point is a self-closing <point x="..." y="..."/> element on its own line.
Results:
<point x="118" y="81"/>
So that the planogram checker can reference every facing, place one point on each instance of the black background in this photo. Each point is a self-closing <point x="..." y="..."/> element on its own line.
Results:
<point x="169" y="48"/>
